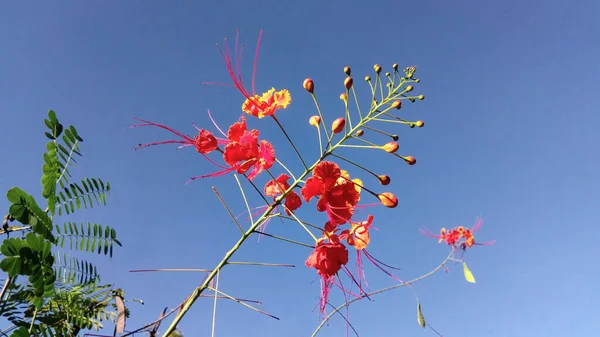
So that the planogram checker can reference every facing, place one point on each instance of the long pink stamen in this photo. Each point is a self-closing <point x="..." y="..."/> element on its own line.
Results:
<point x="148" y="123"/>
<point x="256" y="60"/>
<point x="215" y="124"/>
<point x="215" y="174"/>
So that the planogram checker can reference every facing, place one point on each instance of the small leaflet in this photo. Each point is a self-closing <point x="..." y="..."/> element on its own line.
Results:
<point x="468" y="275"/>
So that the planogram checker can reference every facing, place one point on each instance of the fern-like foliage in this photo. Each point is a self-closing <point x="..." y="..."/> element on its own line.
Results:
<point x="71" y="270"/>
<point x="60" y="295"/>
<point x="74" y="196"/>
<point x="92" y="238"/>
<point x="70" y="309"/>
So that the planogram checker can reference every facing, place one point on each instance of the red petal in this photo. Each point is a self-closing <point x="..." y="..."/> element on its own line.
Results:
<point x="328" y="171"/>
<point x="312" y="188"/>
<point x="236" y="130"/>
<point x="292" y="202"/>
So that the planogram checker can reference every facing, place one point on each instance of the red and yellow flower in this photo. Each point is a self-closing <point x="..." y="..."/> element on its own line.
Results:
<point x="338" y="195"/>
<point x="255" y="105"/>
<point x="277" y="187"/>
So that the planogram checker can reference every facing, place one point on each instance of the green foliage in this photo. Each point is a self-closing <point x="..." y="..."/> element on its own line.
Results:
<point x="94" y="239"/>
<point x="61" y="295"/>
<point x="73" y="196"/>
<point x="69" y="310"/>
<point x="25" y="210"/>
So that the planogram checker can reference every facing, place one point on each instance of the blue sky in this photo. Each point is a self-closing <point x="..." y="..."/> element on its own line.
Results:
<point x="509" y="135"/>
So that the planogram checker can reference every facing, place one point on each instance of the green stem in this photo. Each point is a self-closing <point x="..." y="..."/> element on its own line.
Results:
<point x="287" y="240"/>
<point x="289" y="140"/>
<point x="229" y="211"/>
<point x="263" y="264"/>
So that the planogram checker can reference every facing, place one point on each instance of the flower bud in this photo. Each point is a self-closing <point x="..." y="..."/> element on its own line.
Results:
<point x="417" y="80"/>
<point x="344" y="96"/>
<point x="410" y="160"/>
<point x="368" y="78"/>
<point x="409" y="88"/>
<point x="314" y="120"/>
<point x="397" y="104"/>
<point x="348" y="83"/>
<point x="377" y="68"/>
<point x="360" y="133"/>
<point x="395" y="137"/>
<point x="387" y="74"/>
<point x="309" y="85"/>
<point x="384" y="179"/>
<point x="388" y="199"/>
<point x="347" y="70"/>
<point x="419" y="123"/>
<point x="391" y="147"/>
<point x="395" y="66"/>
<point x="421" y="97"/>
<point x="338" y="125"/>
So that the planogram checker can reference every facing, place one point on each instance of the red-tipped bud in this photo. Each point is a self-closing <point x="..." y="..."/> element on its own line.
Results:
<point x="397" y="104"/>
<point x="309" y="85"/>
<point x="419" y="124"/>
<point x="338" y="125"/>
<point x="360" y="133"/>
<point x="384" y="179"/>
<point x="421" y="97"/>
<point x="344" y="96"/>
<point x="388" y="199"/>
<point x="347" y="70"/>
<point x="368" y="78"/>
<point x="391" y="147"/>
<point x="348" y="82"/>
<point x="409" y="88"/>
<point x="410" y="160"/>
<point x="377" y="68"/>
<point x="314" y="120"/>
<point x="395" y="66"/>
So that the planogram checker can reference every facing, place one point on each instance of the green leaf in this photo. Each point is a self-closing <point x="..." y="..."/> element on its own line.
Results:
<point x="20" y="332"/>
<point x="468" y="275"/>
<point x="420" y="317"/>
<point x="26" y="211"/>
<point x="11" y="266"/>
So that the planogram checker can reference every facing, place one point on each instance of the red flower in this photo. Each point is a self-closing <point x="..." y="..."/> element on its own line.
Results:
<point x="205" y="142"/>
<point x="280" y="185"/>
<point x="327" y="259"/>
<point x="244" y="151"/>
<point x="460" y="236"/>
<point x="256" y="105"/>
<point x="358" y="235"/>
<point x="338" y="195"/>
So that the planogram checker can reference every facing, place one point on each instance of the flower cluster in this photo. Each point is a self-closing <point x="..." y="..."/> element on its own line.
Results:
<point x="460" y="236"/>
<point x="337" y="194"/>
<point x="241" y="149"/>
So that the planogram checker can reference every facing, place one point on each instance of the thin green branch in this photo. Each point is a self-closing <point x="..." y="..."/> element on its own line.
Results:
<point x="368" y="295"/>
<point x="245" y="200"/>
<point x="262" y="264"/>
<point x="228" y="210"/>
<point x="242" y="303"/>
<point x="214" y="318"/>
<point x="289" y="140"/>
<point x="287" y="240"/>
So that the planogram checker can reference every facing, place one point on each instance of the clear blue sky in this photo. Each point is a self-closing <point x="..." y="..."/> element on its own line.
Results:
<point x="509" y="135"/>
